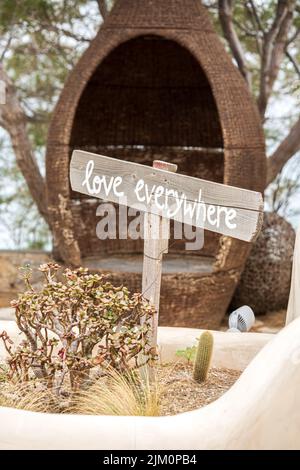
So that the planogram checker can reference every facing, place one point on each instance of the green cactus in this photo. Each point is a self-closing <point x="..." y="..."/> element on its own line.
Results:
<point x="203" y="356"/>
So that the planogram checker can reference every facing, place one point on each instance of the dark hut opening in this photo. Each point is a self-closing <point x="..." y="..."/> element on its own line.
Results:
<point x="149" y="99"/>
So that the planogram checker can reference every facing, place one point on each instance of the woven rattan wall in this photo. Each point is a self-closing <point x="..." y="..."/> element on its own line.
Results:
<point x="149" y="91"/>
<point x="155" y="83"/>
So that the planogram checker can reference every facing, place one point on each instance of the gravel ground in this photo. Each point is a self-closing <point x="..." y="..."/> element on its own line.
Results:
<point x="181" y="393"/>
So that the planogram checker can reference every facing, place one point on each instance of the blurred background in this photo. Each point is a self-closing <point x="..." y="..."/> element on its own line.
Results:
<point x="41" y="41"/>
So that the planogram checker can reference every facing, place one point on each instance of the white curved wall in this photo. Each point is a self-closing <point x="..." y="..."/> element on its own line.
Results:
<point x="261" y="411"/>
<point x="231" y="350"/>
<point x="294" y="300"/>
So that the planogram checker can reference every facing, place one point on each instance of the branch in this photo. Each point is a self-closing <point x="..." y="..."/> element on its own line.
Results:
<point x="6" y="47"/>
<point x="275" y="42"/>
<point x="257" y="26"/>
<point x="244" y="29"/>
<point x="13" y="120"/>
<point x="293" y="62"/>
<point x="256" y="16"/>
<point x="226" y="20"/>
<point x="103" y="8"/>
<point x="294" y="36"/>
<point x="287" y="149"/>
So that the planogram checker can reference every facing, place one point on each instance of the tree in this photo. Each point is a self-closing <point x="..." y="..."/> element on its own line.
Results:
<point x="14" y="120"/>
<point x="280" y="194"/>
<point x="264" y="39"/>
<point x="40" y="41"/>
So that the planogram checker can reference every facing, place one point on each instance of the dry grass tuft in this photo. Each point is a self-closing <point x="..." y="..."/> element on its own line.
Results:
<point x="171" y="392"/>
<point x="121" y="395"/>
<point x="28" y="396"/>
<point x="4" y="377"/>
<point x="115" y="394"/>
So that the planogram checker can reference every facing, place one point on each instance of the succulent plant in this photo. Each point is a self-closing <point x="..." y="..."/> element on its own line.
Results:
<point x="203" y="356"/>
<point x="75" y="323"/>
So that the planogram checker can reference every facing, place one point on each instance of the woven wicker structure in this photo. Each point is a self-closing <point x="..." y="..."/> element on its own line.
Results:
<point x="266" y="281"/>
<point x="156" y="83"/>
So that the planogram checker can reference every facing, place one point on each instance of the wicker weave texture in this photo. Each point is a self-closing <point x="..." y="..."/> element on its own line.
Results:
<point x="266" y="281"/>
<point x="169" y="14"/>
<point x="155" y="83"/>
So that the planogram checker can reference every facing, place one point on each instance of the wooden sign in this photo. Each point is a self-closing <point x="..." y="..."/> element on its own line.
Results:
<point x="212" y="206"/>
<point x="163" y="195"/>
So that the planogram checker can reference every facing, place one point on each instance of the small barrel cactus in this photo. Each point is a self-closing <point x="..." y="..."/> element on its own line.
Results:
<point x="203" y="356"/>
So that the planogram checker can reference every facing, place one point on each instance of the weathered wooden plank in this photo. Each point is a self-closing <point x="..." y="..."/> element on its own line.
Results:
<point x="156" y="242"/>
<point x="213" y="206"/>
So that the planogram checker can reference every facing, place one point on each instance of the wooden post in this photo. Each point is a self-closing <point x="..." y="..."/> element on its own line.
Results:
<point x="223" y="209"/>
<point x="156" y="242"/>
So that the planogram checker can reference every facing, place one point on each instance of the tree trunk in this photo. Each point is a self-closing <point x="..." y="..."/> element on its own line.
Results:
<point x="13" y="120"/>
<point x="286" y="150"/>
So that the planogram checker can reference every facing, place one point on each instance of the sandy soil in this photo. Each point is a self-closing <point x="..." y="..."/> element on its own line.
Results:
<point x="177" y="390"/>
<point x="181" y="393"/>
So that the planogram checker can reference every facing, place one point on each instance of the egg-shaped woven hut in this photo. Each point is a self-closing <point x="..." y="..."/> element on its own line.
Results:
<point x="157" y="83"/>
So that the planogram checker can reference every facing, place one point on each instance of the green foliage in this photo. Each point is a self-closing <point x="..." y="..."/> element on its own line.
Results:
<point x="76" y="323"/>
<point x="188" y="353"/>
<point x="203" y="356"/>
<point x="251" y="28"/>
<point x="40" y="42"/>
